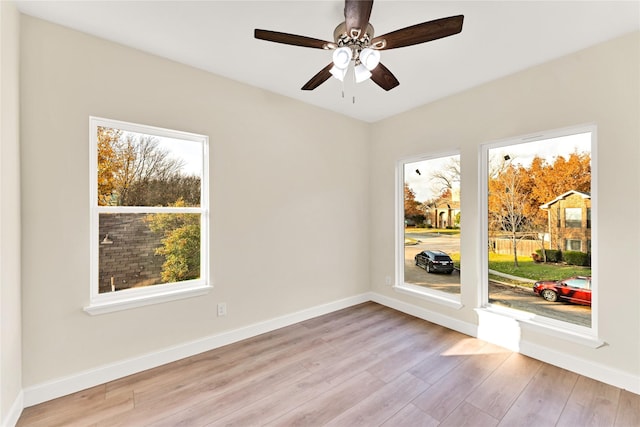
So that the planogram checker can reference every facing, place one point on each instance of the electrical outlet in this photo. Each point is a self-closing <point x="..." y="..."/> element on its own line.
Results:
<point x="387" y="280"/>
<point x="222" y="309"/>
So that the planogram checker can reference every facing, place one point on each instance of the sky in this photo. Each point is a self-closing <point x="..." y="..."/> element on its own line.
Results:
<point x="548" y="149"/>
<point x="189" y="152"/>
<point x="421" y="183"/>
<point x="521" y="154"/>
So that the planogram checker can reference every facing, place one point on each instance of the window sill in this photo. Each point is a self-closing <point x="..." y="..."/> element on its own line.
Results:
<point x="109" y="305"/>
<point x="442" y="298"/>
<point x="530" y="322"/>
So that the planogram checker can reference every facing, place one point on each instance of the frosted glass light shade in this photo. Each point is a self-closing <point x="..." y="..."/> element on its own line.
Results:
<point x="362" y="73"/>
<point x="338" y="73"/>
<point x="370" y="58"/>
<point x="341" y="57"/>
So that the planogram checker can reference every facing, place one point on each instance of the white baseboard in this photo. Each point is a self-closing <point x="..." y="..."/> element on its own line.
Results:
<point x="423" y="313"/>
<point x="90" y="378"/>
<point x="11" y="419"/>
<point x="596" y="371"/>
<point x="102" y="374"/>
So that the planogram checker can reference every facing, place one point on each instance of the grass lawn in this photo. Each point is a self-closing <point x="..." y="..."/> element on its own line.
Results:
<point x="432" y="230"/>
<point x="529" y="269"/>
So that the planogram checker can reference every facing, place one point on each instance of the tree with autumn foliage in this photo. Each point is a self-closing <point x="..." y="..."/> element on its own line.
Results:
<point x="108" y="163"/>
<point x="516" y="193"/>
<point x="134" y="170"/>
<point x="412" y="208"/>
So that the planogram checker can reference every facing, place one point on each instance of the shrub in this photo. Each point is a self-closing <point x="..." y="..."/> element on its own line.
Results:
<point x="577" y="258"/>
<point x="553" y="255"/>
<point x="180" y="243"/>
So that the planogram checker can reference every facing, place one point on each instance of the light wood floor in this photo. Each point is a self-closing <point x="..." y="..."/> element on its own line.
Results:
<point x="366" y="365"/>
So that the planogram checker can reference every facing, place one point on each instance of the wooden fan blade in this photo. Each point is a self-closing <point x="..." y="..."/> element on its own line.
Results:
<point x="384" y="78"/>
<point x="292" y="39"/>
<point x="357" y="14"/>
<point x="322" y="76"/>
<point x="421" y="33"/>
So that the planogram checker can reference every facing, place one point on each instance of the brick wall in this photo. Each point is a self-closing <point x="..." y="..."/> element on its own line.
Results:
<point x="557" y="226"/>
<point x="130" y="259"/>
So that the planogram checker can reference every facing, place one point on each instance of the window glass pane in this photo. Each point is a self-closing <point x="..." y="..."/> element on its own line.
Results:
<point x="577" y="283"/>
<point x="573" y="217"/>
<point x="136" y="169"/>
<point x="530" y="187"/>
<point x="432" y="223"/>
<point x="137" y="250"/>
<point x="573" y="245"/>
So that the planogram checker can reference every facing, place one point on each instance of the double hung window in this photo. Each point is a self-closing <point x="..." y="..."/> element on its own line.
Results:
<point x="149" y="215"/>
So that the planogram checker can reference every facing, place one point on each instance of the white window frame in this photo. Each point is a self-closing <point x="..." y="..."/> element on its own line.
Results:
<point x="137" y="297"/>
<point x="587" y="336"/>
<point x="432" y="295"/>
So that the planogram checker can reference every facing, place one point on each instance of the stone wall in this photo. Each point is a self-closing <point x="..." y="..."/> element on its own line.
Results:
<point x="127" y="256"/>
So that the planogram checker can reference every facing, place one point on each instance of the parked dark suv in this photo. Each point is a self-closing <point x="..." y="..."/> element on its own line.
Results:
<point x="434" y="262"/>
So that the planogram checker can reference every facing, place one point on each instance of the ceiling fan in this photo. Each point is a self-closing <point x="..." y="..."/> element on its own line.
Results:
<point x="354" y="42"/>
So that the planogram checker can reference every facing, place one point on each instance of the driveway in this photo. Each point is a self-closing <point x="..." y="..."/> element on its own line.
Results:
<point x="499" y="294"/>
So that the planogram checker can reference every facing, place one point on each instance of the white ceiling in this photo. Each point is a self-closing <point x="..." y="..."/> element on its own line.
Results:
<point x="498" y="38"/>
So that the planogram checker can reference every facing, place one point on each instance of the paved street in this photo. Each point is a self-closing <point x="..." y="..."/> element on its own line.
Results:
<point x="418" y="276"/>
<point x="504" y="295"/>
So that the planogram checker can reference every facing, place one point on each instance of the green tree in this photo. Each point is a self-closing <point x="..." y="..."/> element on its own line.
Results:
<point x="180" y="243"/>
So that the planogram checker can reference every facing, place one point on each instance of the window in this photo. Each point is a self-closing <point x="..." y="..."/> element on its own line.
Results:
<point x="578" y="282"/>
<point x="429" y="228"/>
<point x="573" y="245"/>
<point x="149" y="215"/>
<point x="573" y="217"/>
<point x="530" y="184"/>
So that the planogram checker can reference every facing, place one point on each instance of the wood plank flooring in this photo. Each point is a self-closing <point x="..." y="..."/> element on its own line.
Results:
<point x="366" y="365"/>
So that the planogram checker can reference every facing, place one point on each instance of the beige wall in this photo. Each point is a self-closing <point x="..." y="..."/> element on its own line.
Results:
<point x="289" y="200"/>
<point x="599" y="85"/>
<point x="10" y="313"/>
<point x="302" y="212"/>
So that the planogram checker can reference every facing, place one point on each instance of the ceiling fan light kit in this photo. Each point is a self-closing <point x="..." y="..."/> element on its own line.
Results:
<point x="341" y="57"/>
<point x="361" y="73"/>
<point x="338" y="73"/>
<point x="353" y="45"/>
<point x="369" y="58"/>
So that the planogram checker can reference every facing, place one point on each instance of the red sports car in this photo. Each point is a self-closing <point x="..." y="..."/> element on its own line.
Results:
<point x="574" y="289"/>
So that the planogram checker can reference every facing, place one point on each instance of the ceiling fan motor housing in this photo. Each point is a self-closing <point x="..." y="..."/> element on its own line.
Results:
<point x="356" y="41"/>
